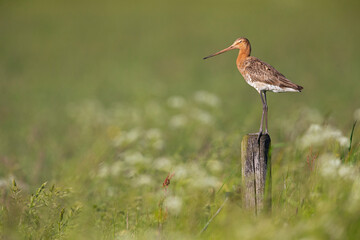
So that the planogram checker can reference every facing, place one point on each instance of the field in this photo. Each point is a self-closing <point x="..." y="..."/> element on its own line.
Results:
<point x="101" y="100"/>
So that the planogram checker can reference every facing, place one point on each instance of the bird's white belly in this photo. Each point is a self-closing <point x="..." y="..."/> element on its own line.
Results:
<point x="261" y="86"/>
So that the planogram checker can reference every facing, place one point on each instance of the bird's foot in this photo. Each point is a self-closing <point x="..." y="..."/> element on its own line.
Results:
<point x="259" y="136"/>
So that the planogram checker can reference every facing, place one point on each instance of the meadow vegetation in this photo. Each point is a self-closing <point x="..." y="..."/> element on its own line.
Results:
<point x="102" y="101"/>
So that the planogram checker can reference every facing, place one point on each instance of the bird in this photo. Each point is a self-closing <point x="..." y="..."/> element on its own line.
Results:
<point x="259" y="75"/>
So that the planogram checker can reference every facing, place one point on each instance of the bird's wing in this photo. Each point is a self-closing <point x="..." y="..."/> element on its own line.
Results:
<point x="260" y="71"/>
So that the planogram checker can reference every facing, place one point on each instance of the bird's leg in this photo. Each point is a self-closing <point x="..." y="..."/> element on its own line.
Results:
<point x="262" y="116"/>
<point x="266" y="115"/>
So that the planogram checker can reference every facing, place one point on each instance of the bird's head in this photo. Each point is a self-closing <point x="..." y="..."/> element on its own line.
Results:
<point x="242" y="44"/>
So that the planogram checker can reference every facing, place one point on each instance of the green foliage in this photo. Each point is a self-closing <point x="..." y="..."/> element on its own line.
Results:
<point x="41" y="215"/>
<point x="138" y="183"/>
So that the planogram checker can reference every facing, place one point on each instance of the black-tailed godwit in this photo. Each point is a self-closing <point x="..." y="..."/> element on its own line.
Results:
<point x="260" y="75"/>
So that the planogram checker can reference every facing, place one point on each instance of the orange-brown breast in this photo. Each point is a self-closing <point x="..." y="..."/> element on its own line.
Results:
<point x="244" y="53"/>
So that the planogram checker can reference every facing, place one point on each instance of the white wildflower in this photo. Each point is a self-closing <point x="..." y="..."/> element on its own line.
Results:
<point x="195" y="169"/>
<point x="162" y="163"/>
<point x="159" y="144"/>
<point x="176" y="102"/>
<point x="317" y="135"/>
<point x="173" y="204"/>
<point x="207" y="98"/>
<point x="143" y="180"/>
<point x="202" y="116"/>
<point x="332" y="167"/>
<point x="133" y="135"/>
<point x="344" y="141"/>
<point x="103" y="171"/>
<point x="116" y="168"/>
<point x="178" y="121"/>
<point x="312" y="115"/>
<point x="135" y="158"/>
<point x="125" y="235"/>
<point x="357" y="114"/>
<point x="329" y="165"/>
<point x="214" y="166"/>
<point x="125" y="138"/>
<point x="153" y="134"/>
<point x="206" y="182"/>
<point x="155" y="137"/>
<point x="130" y="172"/>
<point x="180" y="172"/>
<point x="200" y="177"/>
<point x="346" y="171"/>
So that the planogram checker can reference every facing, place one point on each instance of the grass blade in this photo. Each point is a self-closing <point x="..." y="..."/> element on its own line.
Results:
<point x="351" y="135"/>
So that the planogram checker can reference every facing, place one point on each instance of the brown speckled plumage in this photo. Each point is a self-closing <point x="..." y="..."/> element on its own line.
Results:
<point x="263" y="72"/>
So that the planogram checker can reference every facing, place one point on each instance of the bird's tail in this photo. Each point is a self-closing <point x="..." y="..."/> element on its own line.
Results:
<point x="299" y="88"/>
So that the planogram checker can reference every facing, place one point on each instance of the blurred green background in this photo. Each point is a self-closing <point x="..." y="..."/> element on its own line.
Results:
<point x="57" y="54"/>
<point x="53" y="54"/>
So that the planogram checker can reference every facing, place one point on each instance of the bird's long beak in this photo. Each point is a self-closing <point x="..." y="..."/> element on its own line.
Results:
<point x="220" y="52"/>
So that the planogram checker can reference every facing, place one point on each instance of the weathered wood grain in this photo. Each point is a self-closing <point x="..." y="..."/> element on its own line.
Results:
<point x="256" y="172"/>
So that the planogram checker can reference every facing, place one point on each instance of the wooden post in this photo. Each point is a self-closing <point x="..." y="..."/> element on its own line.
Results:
<point x="256" y="172"/>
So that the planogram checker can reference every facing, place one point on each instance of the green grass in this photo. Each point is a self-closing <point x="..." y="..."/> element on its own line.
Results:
<point x="100" y="101"/>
